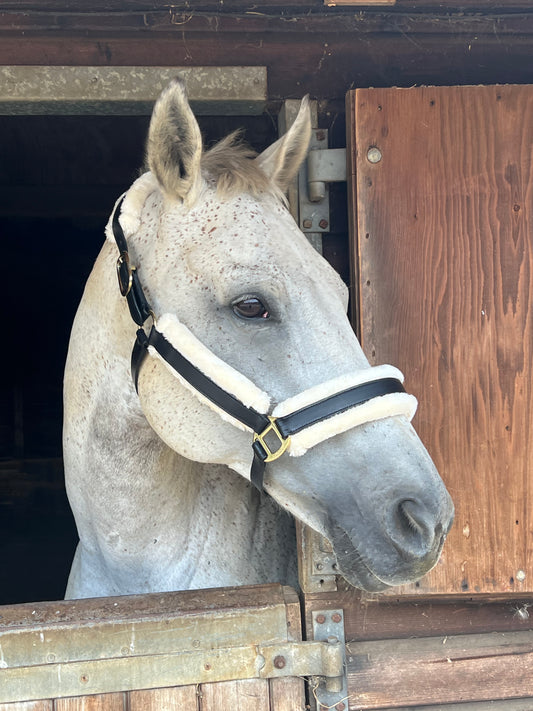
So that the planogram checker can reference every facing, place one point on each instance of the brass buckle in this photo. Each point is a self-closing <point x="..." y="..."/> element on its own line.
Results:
<point x="124" y="269"/>
<point x="283" y="443"/>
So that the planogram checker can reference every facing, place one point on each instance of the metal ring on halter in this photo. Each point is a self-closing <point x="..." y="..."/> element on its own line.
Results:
<point x="284" y="442"/>
<point x="124" y="285"/>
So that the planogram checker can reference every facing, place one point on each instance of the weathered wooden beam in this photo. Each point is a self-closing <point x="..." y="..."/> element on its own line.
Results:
<point x="440" y="670"/>
<point x="66" y="90"/>
<point x="267" y="7"/>
<point x="382" y="618"/>
<point x="325" y="66"/>
<point x="176" y="22"/>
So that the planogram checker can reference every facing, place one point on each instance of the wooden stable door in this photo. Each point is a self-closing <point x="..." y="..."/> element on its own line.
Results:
<point x="442" y="198"/>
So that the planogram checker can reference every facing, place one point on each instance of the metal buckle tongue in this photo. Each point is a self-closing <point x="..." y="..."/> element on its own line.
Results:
<point x="271" y="455"/>
<point x="124" y="273"/>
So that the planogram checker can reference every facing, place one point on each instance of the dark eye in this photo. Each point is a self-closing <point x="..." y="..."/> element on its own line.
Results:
<point x="250" y="307"/>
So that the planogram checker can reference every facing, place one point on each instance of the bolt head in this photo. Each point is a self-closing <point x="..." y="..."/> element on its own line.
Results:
<point x="374" y="154"/>
<point x="323" y="224"/>
<point x="279" y="662"/>
<point x="321" y="619"/>
<point x="307" y="224"/>
<point x="336" y="617"/>
<point x="340" y="706"/>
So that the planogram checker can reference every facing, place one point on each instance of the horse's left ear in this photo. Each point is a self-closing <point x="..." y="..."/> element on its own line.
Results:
<point x="174" y="147"/>
<point x="281" y="161"/>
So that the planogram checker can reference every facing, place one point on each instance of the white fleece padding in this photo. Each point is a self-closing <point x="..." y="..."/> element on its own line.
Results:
<point x="130" y="214"/>
<point x="226" y="377"/>
<point x="376" y="409"/>
<point x="250" y="395"/>
<point x="335" y="385"/>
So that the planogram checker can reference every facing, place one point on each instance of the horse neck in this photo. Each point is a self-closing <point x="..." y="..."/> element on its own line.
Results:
<point x="121" y="475"/>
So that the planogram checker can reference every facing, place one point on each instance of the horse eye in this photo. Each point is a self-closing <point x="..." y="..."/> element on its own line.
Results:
<point x="250" y="307"/>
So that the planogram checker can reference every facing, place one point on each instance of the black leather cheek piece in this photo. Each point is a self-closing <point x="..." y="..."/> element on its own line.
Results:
<point x="138" y="305"/>
<point x="138" y="354"/>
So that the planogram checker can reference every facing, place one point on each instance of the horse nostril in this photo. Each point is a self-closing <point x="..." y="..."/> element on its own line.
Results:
<point x="413" y="530"/>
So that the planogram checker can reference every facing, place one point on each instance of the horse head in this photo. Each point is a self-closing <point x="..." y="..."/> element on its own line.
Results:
<point x="238" y="287"/>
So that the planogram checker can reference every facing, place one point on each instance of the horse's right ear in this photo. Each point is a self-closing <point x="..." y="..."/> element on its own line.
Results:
<point x="174" y="146"/>
<point x="281" y="161"/>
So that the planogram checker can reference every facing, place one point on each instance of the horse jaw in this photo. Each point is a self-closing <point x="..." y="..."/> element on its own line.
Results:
<point x="376" y="495"/>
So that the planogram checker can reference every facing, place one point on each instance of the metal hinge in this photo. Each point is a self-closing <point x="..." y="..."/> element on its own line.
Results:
<point x="322" y="659"/>
<point x="332" y="692"/>
<point x="323" y="166"/>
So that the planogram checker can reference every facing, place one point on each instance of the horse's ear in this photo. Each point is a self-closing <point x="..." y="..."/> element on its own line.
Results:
<point x="282" y="159"/>
<point x="174" y="146"/>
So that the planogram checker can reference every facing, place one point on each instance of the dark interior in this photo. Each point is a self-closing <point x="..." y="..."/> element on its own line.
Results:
<point x="59" y="179"/>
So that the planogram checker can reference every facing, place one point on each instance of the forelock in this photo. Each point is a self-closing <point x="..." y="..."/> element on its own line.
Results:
<point x="231" y="165"/>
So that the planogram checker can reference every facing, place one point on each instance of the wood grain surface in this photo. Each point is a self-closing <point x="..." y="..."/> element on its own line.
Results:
<point x="444" y="261"/>
<point x="440" y="670"/>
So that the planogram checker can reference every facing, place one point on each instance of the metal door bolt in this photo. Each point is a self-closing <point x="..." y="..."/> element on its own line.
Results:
<point x="374" y="154"/>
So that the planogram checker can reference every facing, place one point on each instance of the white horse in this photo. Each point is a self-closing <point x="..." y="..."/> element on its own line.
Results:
<point x="159" y="478"/>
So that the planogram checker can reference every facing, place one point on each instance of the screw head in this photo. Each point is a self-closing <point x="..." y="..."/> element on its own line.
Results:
<point x="336" y="617"/>
<point x="321" y="619"/>
<point x="374" y="154"/>
<point x="340" y="706"/>
<point x="279" y="662"/>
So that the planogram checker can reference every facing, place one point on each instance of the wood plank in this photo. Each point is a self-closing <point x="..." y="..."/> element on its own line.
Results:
<point x="387" y="618"/>
<point x="94" y="702"/>
<point x="359" y="3"/>
<point x="500" y="705"/>
<point x="246" y="695"/>
<point x="446" y="272"/>
<point x="45" y="705"/>
<point x="246" y="6"/>
<point x="154" y="606"/>
<point x="440" y="670"/>
<point x="289" y="694"/>
<point x="172" y="699"/>
<point x="323" y="56"/>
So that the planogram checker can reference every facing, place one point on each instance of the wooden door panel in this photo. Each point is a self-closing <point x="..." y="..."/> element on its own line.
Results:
<point x="199" y="650"/>
<point x="443" y="257"/>
<point x="93" y="702"/>
<point x="440" y="670"/>
<point x="174" y="698"/>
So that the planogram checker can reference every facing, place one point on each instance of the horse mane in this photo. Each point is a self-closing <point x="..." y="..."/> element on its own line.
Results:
<point x="230" y="163"/>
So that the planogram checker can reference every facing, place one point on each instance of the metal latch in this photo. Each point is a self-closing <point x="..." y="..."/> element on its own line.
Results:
<point x="331" y="692"/>
<point x="323" y="166"/>
<point x="320" y="659"/>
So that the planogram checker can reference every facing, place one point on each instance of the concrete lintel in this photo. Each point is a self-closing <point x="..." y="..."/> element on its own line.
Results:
<point x="44" y="90"/>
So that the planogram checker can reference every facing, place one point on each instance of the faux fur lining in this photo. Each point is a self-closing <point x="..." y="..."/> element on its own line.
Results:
<point x="250" y="395"/>
<point x="130" y="214"/>
<point x="335" y="385"/>
<point x="376" y="409"/>
<point x="213" y="367"/>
